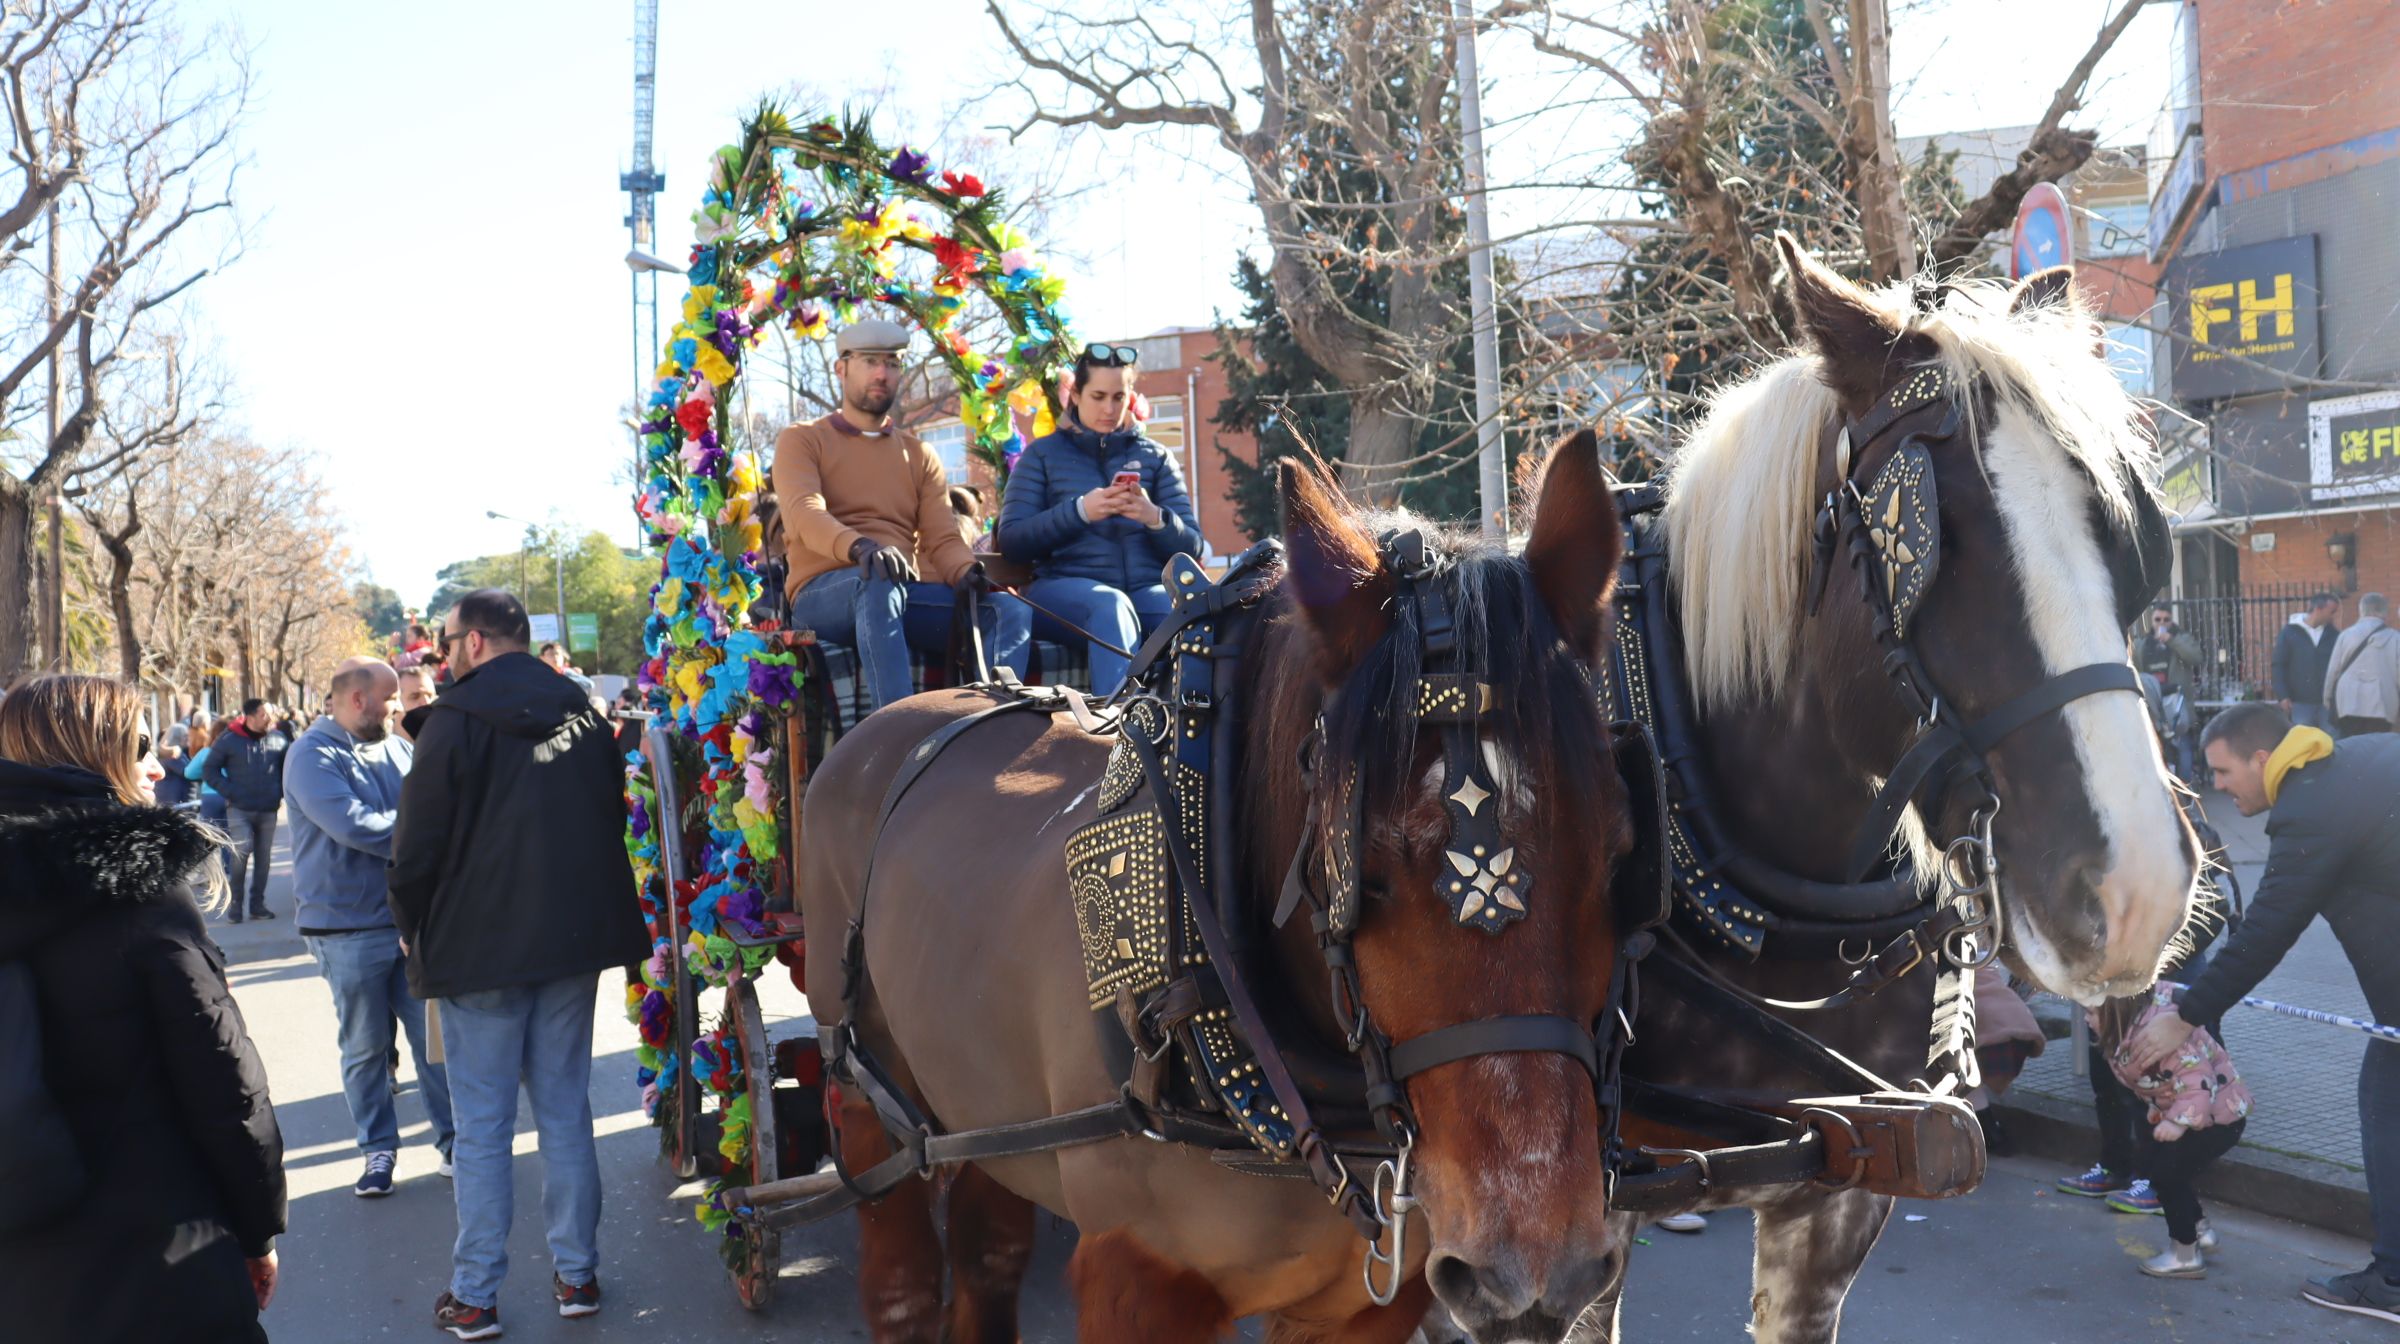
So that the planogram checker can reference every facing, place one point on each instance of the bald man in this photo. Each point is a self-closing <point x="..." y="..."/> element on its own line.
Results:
<point x="342" y="783"/>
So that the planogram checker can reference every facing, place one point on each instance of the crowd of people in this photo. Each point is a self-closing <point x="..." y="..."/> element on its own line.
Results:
<point x="460" y="879"/>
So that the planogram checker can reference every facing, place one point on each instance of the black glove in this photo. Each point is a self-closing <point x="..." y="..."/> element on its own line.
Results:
<point x="876" y="560"/>
<point x="975" y="580"/>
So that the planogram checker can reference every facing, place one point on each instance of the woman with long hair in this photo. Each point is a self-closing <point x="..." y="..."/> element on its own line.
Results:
<point x="170" y="1235"/>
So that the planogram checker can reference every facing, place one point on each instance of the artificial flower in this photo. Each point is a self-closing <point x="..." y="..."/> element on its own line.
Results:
<point x="965" y="186"/>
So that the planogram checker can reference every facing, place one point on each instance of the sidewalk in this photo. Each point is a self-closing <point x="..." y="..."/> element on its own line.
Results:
<point x="2299" y="1158"/>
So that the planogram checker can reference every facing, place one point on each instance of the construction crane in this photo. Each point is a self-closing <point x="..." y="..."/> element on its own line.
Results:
<point x="642" y="183"/>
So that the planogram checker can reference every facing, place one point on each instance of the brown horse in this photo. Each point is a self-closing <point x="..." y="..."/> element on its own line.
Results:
<point x="2040" y="509"/>
<point x="976" y="999"/>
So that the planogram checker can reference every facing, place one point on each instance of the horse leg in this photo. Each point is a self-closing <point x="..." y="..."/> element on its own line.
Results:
<point x="1124" y="1290"/>
<point x="1810" y="1249"/>
<point x="991" y="1242"/>
<point x="899" y="1249"/>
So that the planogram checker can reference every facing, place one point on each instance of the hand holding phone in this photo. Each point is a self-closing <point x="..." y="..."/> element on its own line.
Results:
<point x="1128" y="477"/>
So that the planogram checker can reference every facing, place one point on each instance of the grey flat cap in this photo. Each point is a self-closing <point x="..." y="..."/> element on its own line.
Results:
<point x="871" y="333"/>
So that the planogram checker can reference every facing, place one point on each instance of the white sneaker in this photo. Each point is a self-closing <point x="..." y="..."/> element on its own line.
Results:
<point x="1684" y="1222"/>
<point x="2178" y="1261"/>
<point x="445" y="1169"/>
<point x="2207" y="1240"/>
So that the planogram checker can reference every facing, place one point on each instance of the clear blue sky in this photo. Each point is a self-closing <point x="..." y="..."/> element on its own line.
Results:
<point x="435" y="302"/>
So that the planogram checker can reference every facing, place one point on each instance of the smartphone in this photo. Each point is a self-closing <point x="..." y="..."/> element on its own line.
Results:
<point x="1129" y="476"/>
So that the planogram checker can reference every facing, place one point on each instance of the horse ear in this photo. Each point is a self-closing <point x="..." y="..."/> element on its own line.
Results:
<point x="2048" y="287"/>
<point x="1576" y="544"/>
<point x="1336" y="571"/>
<point x="1854" y="337"/>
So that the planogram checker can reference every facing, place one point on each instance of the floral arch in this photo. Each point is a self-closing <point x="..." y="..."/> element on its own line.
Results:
<point x="802" y="226"/>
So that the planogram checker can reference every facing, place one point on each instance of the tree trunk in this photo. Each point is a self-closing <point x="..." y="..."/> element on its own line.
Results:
<point x="1883" y="217"/>
<point x="17" y="655"/>
<point x="120" y="604"/>
<point x="1383" y="434"/>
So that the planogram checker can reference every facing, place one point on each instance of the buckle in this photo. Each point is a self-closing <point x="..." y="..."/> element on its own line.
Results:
<point x="1858" y="1153"/>
<point x="1698" y="1159"/>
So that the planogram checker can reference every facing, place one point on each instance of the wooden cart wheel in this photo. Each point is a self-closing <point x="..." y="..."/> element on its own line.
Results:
<point x="685" y="1131"/>
<point x="754" y="1281"/>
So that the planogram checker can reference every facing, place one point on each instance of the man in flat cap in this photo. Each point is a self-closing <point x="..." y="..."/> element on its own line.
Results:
<point x="866" y="515"/>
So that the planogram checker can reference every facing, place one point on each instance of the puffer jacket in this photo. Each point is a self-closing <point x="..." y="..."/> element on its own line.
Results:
<point x="145" y="1050"/>
<point x="247" y="769"/>
<point x="1041" y="526"/>
<point x="2195" y="1087"/>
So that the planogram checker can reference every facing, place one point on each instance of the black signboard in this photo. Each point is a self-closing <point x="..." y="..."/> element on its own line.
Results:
<point x="2244" y="318"/>
<point x="2354" y="445"/>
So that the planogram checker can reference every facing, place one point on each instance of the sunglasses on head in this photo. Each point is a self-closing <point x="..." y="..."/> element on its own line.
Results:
<point x="1111" y="356"/>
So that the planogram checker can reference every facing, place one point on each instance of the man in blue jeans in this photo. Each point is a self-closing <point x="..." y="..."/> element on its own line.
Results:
<point x="245" y="767"/>
<point x="867" y="520"/>
<point x="512" y="892"/>
<point x="342" y="779"/>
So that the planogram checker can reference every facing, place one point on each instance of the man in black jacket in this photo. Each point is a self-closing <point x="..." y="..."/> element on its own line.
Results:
<point x="245" y="766"/>
<point x="2333" y="829"/>
<point x="511" y="888"/>
<point x="2303" y="653"/>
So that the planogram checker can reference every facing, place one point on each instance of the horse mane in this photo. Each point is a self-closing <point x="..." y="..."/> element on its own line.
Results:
<point x="1740" y="487"/>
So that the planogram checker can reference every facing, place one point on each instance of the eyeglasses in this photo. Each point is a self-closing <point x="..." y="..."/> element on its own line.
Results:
<point x="1111" y="356"/>
<point x="442" y="640"/>
<point x="141" y="747"/>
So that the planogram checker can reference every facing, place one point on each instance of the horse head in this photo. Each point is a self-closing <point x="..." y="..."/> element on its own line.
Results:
<point x="1967" y="450"/>
<point x="1469" y="821"/>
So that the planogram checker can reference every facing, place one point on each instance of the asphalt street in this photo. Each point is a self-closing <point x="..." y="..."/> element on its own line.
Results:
<point x="2012" y="1264"/>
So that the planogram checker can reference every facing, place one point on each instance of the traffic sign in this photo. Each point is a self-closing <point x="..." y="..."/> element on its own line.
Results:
<point x="2043" y="237"/>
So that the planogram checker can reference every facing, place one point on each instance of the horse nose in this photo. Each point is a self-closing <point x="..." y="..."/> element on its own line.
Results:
<point x="1500" y="1290"/>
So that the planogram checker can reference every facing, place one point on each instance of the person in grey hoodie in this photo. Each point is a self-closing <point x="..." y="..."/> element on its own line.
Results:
<point x="342" y="780"/>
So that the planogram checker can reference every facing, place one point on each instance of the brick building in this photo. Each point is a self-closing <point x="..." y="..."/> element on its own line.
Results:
<point x="1184" y="387"/>
<point x="2274" y="223"/>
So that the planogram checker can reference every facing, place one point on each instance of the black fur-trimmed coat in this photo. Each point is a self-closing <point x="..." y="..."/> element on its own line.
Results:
<point x="147" y="1053"/>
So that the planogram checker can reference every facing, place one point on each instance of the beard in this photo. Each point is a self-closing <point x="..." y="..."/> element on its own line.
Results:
<point x="373" y="732"/>
<point x="871" y="402"/>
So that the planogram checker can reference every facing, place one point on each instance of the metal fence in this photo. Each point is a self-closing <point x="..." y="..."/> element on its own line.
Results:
<point x="2236" y="635"/>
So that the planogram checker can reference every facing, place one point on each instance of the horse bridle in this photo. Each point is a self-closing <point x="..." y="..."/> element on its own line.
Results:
<point x="1892" y="527"/>
<point x="1486" y="889"/>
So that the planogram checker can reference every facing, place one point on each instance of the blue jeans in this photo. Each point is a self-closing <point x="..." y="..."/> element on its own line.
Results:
<point x="540" y="1035"/>
<point x="370" y="996"/>
<point x="1113" y="614"/>
<point x="253" y="848"/>
<point x="883" y="620"/>
<point x="2309" y="716"/>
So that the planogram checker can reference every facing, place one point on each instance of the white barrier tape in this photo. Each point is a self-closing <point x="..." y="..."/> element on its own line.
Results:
<point x="2374" y="1029"/>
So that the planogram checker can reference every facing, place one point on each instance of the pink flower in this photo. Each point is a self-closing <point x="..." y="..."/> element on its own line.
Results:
<point x="1016" y="259"/>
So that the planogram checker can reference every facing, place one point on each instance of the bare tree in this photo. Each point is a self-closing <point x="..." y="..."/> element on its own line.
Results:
<point x="1367" y="82"/>
<point x="121" y="143"/>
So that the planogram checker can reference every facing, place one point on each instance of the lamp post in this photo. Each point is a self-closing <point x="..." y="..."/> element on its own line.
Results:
<point x="558" y="574"/>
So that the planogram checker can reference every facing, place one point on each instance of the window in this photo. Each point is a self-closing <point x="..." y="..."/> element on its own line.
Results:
<point x="1165" y="425"/>
<point x="2129" y="357"/>
<point x="2119" y="230"/>
<point x="948" y="440"/>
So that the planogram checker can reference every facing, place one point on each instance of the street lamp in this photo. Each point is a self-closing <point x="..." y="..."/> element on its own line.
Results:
<point x="558" y="573"/>
<point x="641" y="263"/>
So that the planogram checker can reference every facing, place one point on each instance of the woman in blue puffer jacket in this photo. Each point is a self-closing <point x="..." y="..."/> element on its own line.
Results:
<point x="1097" y="510"/>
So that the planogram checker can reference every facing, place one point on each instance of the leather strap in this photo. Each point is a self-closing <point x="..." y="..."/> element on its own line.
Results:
<point x="1534" y="1034"/>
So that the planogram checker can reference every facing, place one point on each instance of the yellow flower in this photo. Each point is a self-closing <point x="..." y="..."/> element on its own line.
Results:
<point x="667" y="369"/>
<point x="1043" y="422"/>
<point x="696" y="305"/>
<point x="745" y="474"/>
<point x="713" y="366"/>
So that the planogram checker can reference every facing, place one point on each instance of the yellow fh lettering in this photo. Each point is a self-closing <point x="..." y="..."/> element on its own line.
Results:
<point x="2205" y="311"/>
<point x="2278" y="303"/>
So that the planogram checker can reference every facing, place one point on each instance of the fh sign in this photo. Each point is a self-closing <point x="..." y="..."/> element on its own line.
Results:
<point x="2244" y="318"/>
<point x="2354" y="446"/>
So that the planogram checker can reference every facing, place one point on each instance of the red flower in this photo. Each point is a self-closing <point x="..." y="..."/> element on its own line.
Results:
<point x="962" y="184"/>
<point x="695" y="416"/>
<point x="956" y="260"/>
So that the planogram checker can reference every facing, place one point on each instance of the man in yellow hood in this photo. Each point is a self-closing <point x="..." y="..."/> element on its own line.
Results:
<point x="2333" y="831"/>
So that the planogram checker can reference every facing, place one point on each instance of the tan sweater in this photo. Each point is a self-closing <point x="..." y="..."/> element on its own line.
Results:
<point x="835" y="484"/>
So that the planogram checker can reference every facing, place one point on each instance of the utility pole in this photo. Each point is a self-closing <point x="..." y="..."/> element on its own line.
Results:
<point x="1491" y="458"/>
<point x="54" y="613"/>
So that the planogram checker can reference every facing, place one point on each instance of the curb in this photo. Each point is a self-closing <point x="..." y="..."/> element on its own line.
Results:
<point x="2298" y="1189"/>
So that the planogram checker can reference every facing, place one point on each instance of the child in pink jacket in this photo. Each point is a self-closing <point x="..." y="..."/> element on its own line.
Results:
<point x="2197" y="1110"/>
